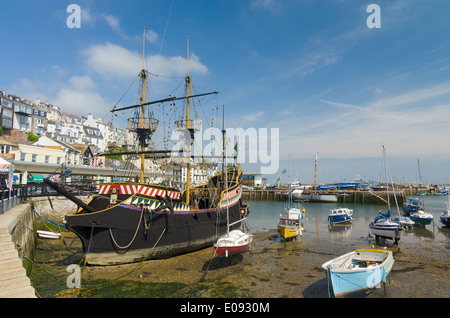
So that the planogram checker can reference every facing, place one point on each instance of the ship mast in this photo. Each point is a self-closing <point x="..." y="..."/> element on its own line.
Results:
<point x="188" y="127"/>
<point x="144" y="79"/>
<point x="143" y="126"/>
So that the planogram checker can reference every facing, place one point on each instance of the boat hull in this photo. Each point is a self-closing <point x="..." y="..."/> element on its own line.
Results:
<point x="232" y="250"/>
<point x="388" y="231"/>
<point x="234" y="242"/>
<point x="421" y="220"/>
<point x="348" y="280"/>
<point x="288" y="232"/>
<point x="336" y="219"/>
<point x="150" y="222"/>
<point x="340" y="216"/>
<point x="445" y="220"/>
<point x="319" y="198"/>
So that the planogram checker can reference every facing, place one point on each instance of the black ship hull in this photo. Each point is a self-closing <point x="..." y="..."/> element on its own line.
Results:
<point x="123" y="235"/>
<point x="130" y="222"/>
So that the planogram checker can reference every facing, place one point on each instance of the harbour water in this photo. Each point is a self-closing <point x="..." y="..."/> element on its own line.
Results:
<point x="264" y="216"/>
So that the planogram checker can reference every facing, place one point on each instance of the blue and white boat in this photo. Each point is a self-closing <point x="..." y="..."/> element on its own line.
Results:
<point x="412" y="205"/>
<point x="421" y="218"/>
<point x="358" y="270"/>
<point x="340" y="215"/>
<point x="445" y="216"/>
<point x="383" y="226"/>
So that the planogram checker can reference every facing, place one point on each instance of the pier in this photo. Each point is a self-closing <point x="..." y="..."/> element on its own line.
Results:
<point x="347" y="196"/>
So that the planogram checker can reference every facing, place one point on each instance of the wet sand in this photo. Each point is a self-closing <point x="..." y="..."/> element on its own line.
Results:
<point x="271" y="269"/>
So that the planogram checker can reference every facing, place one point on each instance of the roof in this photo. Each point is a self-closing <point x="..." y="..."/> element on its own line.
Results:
<point x="92" y="134"/>
<point x="7" y="143"/>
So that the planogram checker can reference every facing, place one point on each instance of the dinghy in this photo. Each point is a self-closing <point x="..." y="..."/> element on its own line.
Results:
<point x="234" y="242"/>
<point x="48" y="235"/>
<point x="358" y="270"/>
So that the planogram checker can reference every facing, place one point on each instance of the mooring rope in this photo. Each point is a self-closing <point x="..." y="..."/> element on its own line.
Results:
<point x="134" y="237"/>
<point x="60" y="225"/>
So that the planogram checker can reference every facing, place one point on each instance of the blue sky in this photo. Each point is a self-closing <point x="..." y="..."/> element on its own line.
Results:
<point x="311" y="68"/>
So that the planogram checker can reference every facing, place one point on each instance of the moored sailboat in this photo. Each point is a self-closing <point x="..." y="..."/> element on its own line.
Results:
<point x="383" y="226"/>
<point x="235" y="241"/>
<point x="289" y="224"/>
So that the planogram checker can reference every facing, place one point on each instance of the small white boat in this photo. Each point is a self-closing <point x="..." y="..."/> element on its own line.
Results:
<point x="48" y="235"/>
<point x="404" y="221"/>
<point x="358" y="270"/>
<point x="340" y="215"/>
<point x="234" y="242"/>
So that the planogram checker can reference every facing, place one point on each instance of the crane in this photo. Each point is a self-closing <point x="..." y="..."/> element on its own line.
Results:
<point x="277" y="181"/>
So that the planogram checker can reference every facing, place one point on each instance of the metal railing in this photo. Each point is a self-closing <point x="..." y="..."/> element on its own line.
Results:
<point x="9" y="199"/>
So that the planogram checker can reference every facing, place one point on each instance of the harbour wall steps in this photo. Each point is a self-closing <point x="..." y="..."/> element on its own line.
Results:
<point x="16" y="241"/>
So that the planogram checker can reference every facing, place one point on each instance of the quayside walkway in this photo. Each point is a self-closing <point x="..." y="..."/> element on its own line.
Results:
<point x="14" y="282"/>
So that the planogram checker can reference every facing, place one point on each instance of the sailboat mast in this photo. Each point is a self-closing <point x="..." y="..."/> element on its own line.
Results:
<point x="188" y="126"/>
<point x="315" y="174"/>
<point x="387" y="181"/>
<point x="144" y="79"/>
<point x="226" y="167"/>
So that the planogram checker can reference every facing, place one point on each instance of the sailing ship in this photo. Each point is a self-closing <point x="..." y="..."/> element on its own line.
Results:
<point x="383" y="226"/>
<point x="134" y="221"/>
<point x="358" y="270"/>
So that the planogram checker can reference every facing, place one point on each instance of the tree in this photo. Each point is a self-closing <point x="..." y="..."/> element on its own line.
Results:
<point x="32" y="137"/>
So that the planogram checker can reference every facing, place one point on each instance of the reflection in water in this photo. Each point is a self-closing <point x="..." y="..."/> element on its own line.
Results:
<point x="264" y="216"/>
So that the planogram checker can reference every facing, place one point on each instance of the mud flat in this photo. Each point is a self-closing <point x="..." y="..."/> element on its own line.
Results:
<point x="271" y="269"/>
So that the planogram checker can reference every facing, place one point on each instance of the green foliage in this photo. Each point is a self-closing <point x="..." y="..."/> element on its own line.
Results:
<point x="32" y="137"/>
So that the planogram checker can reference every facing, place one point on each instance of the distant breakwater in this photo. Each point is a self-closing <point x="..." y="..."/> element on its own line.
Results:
<point x="347" y="196"/>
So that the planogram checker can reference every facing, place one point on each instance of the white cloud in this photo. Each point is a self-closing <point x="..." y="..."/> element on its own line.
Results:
<point x="80" y="97"/>
<point x="271" y="5"/>
<point x="113" y="22"/>
<point x="350" y="131"/>
<point x="151" y="36"/>
<point x="111" y="61"/>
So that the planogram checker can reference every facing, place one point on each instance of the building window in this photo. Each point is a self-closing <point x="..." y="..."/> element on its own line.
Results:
<point x="58" y="160"/>
<point x="22" y="156"/>
<point x="33" y="158"/>
<point x="47" y="159"/>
